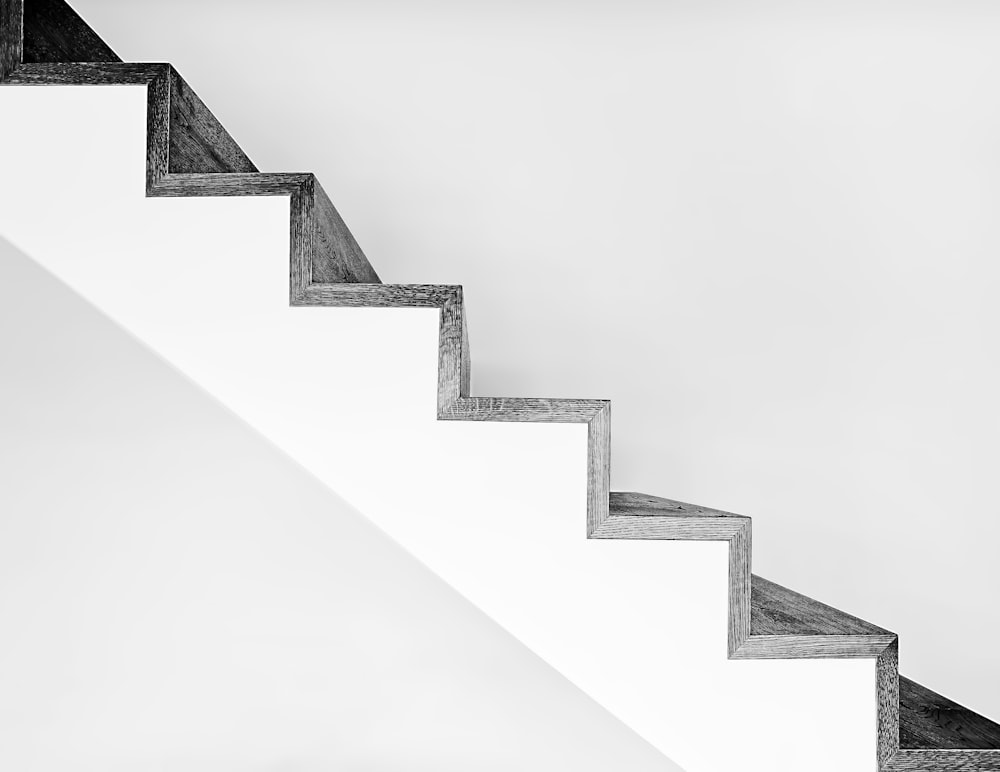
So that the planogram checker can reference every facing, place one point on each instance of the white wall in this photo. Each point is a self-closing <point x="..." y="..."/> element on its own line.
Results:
<point x="766" y="230"/>
<point x="177" y="594"/>
<point x="497" y="510"/>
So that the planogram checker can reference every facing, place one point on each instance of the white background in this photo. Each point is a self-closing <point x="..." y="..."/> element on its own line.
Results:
<point x="765" y="230"/>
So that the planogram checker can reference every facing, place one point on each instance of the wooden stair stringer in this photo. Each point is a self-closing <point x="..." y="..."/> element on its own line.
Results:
<point x="189" y="153"/>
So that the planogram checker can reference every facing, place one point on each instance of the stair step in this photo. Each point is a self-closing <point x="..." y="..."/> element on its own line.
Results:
<point x="776" y="610"/>
<point x="644" y="505"/>
<point x="639" y="516"/>
<point x="928" y="721"/>
<point x="54" y="32"/>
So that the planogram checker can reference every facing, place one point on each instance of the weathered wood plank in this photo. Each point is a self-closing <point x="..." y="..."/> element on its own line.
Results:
<point x="644" y="505"/>
<point x="84" y="74"/>
<point x="337" y="258"/>
<point x="929" y="721"/>
<point x="11" y="36"/>
<point x="301" y="237"/>
<point x="198" y="142"/>
<point x="54" y="32"/>
<point x="813" y="646"/>
<point x="780" y="611"/>
<point x="944" y="761"/>
<point x="378" y="295"/>
<point x="157" y="128"/>
<point x="887" y="708"/>
<point x="576" y="411"/>
<point x="450" y="351"/>
<point x="598" y="467"/>
<point x="740" y="559"/>
<point x="784" y="623"/>
<point x="260" y="184"/>
<point x="667" y="528"/>
<point x="640" y="516"/>
<point x="465" y="388"/>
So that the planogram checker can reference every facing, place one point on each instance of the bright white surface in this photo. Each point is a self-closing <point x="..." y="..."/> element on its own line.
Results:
<point x="777" y="219"/>
<point x="496" y="510"/>
<point x="178" y="595"/>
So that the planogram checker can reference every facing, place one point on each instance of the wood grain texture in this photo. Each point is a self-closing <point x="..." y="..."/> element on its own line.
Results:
<point x="466" y="371"/>
<point x="11" y="36"/>
<point x="887" y="706"/>
<point x="667" y="528"/>
<point x="644" y="505"/>
<point x="598" y="467"/>
<point x="639" y="516"/>
<point x="780" y="611"/>
<point x="85" y="74"/>
<point x="337" y="257"/>
<point x="944" y="761"/>
<point x="451" y="349"/>
<point x="928" y="721"/>
<point x="262" y="184"/>
<point x="787" y="624"/>
<point x="740" y="559"/>
<point x="813" y="646"/>
<point x="54" y="32"/>
<point x="198" y="143"/>
<point x="301" y="237"/>
<point x="377" y="295"/>
<point x="157" y="127"/>
<point x="565" y="411"/>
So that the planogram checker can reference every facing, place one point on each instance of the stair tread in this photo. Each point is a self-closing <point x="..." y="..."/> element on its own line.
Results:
<point x="54" y="32"/>
<point x="928" y="721"/>
<point x="642" y="504"/>
<point x="776" y="610"/>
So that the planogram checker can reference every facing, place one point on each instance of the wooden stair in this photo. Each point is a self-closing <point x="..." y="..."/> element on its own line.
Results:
<point x="190" y="154"/>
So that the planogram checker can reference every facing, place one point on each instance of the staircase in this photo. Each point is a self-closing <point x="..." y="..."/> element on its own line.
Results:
<point x="188" y="153"/>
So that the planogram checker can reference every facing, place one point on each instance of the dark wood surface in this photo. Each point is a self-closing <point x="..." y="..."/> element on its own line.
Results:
<point x="225" y="184"/>
<point x="337" y="257"/>
<point x="86" y="74"/>
<point x="780" y="611"/>
<point x="640" y="516"/>
<point x="198" y="143"/>
<point x="379" y="295"/>
<point x="944" y="761"/>
<point x="928" y="721"/>
<point x="11" y="21"/>
<point x="157" y="127"/>
<point x="54" y="32"/>
<point x="563" y="411"/>
<point x="887" y="705"/>
<point x="644" y="505"/>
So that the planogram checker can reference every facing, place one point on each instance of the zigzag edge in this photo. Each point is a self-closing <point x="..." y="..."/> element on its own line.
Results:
<point x="192" y="155"/>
